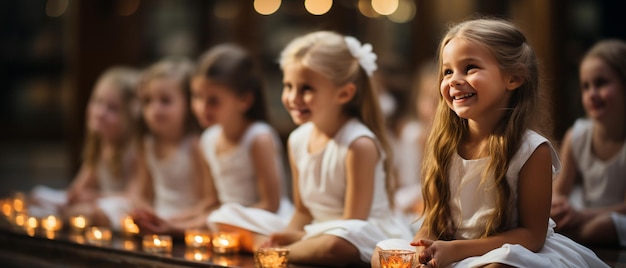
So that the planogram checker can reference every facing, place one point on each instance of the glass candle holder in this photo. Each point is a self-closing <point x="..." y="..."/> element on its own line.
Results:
<point x="197" y="254"/>
<point x="197" y="238"/>
<point x="397" y="258"/>
<point x="271" y="257"/>
<point x="99" y="236"/>
<point x="225" y="242"/>
<point x="51" y="223"/>
<point x="78" y="223"/>
<point x="157" y="244"/>
<point x="129" y="228"/>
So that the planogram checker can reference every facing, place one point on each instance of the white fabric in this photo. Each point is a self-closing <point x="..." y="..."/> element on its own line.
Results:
<point x="236" y="182"/>
<point x="173" y="179"/>
<point x="619" y="220"/>
<point x="603" y="181"/>
<point x="322" y="187"/>
<point x="407" y="155"/>
<point x="475" y="202"/>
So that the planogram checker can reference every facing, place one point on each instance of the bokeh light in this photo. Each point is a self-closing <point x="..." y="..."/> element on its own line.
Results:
<point x="385" y="7"/>
<point x="365" y="7"/>
<point x="266" y="7"/>
<point x="318" y="7"/>
<point x="404" y="13"/>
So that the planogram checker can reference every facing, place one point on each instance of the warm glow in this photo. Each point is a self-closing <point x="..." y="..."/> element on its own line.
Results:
<point x="32" y="222"/>
<point x="7" y="209"/>
<point x="79" y="222"/>
<point x="225" y="242"/>
<point x="129" y="226"/>
<point x="385" y="7"/>
<point x="266" y="7"/>
<point x="56" y="8"/>
<point x="365" y="7"/>
<point x="157" y="242"/>
<point x="18" y="204"/>
<point x="127" y="7"/>
<point x="97" y="234"/>
<point x="318" y="7"/>
<point x="51" y="223"/>
<point x="20" y="219"/>
<point x="404" y="13"/>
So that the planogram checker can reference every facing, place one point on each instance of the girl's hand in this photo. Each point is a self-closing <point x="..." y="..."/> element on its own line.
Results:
<point x="149" y="222"/>
<point x="435" y="253"/>
<point x="284" y="238"/>
<point x="562" y="212"/>
<point x="87" y="195"/>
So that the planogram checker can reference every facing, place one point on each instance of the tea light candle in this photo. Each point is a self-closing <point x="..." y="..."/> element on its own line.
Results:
<point x="129" y="244"/>
<point x="159" y="244"/>
<point x="99" y="236"/>
<point x="197" y="254"/>
<point x="271" y="257"/>
<point x="225" y="242"/>
<point x="129" y="227"/>
<point x="50" y="234"/>
<point x="18" y="202"/>
<point x="78" y="223"/>
<point x="397" y="258"/>
<point x="7" y="208"/>
<point x="32" y="223"/>
<point x="51" y="223"/>
<point x="197" y="238"/>
<point x="20" y="219"/>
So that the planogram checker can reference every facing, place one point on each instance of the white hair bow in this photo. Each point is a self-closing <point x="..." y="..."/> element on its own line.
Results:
<point x="363" y="53"/>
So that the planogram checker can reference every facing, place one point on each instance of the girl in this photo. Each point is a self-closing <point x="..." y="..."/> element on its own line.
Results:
<point x="244" y="153"/>
<point x="109" y="158"/>
<point x="171" y="171"/>
<point x="487" y="175"/>
<point x="338" y="155"/>
<point x="594" y="150"/>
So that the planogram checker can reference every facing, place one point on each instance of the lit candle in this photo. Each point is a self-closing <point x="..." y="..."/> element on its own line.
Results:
<point x="129" y="227"/>
<point x="50" y="234"/>
<point x="197" y="238"/>
<point x="397" y="258"/>
<point x="158" y="244"/>
<point x="32" y="223"/>
<point x="18" y="202"/>
<point x="78" y="223"/>
<point x="225" y="242"/>
<point x="7" y="208"/>
<point x="51" y="223"/>
<point x="129" y="244"/>
<point x="197" y="254"/>
<point x="20" y="219"/>
<point x="271" y="257"/>
<point x="98" y="236"/>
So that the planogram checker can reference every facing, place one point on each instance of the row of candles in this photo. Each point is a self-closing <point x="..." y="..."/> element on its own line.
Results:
<point x="198" y="241"/>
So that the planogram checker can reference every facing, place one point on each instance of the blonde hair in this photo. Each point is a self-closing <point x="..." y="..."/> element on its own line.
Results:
<point x="124" y="80"/>
<point x="179" y="69"/>
<point x="328" y="54"/>
<point x="509" y="47"/>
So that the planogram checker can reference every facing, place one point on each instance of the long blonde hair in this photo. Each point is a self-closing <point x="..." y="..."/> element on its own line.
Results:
<point x="327" y="53"/>
<point x="124" y="80"/>
<point x="514" y="55"/>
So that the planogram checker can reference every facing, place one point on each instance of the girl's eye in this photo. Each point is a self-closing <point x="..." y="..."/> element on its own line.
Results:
<point x="447" y="72"/>
<point x="307" y="88"/>
<point x="470" y="67"/>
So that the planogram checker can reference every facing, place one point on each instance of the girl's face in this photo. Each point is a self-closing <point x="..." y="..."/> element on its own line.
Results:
<point x="201" y="104"/>
<point x="602" y="91"/>
<point x="473" y="85"/>
<point x="105" y="111"/>
<point x="164" y="106"/>
<point x="224" y="104"/>
<point x="308" y="95"/>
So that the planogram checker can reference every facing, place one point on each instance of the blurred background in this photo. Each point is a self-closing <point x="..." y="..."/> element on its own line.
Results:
<point x="51" y="52"/>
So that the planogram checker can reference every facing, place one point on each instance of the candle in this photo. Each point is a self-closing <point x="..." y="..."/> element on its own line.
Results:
<point x="7" y="208"/>
<point x="129" y="227"/>
<point x="32" y="223"/>
<point x="98" y="236"/>
<point x="50" y="234"/>
<point x="271" y="257"/>
<point x="197" y="238"/>
<point x="225" y="242"/>
<point x="18" y="202"/>
<point x="397" y="258"/>
<point x="158" y="244"/>
<point x="197" y="254"/>
<point x="51" y="223"/>
<point x="78" y="223"/>
<point x="129" y="244"/>
<point x="20" y="219"/>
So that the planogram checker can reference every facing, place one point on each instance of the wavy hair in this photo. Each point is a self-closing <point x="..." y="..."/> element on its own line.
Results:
<point x="514" y="55"/>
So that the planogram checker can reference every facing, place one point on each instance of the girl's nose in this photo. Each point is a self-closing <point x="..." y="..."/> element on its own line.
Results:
<point x="456" y="81"/>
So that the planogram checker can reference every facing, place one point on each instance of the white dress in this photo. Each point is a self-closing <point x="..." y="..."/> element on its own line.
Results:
<point x="603" y="181"/>
<point x="472" y="203"/>
<point x="236" y="183"/>
<point x="322" y="188"/>
<point x="173" y="179"/>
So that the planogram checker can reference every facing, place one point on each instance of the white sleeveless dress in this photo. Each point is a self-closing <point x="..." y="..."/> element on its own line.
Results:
<point x="472" y="203"/>
<point x="236" y="183"/>
<point x="172" y="179"/>
<point x="322" y="188"/>
<point x="604" y="183"/>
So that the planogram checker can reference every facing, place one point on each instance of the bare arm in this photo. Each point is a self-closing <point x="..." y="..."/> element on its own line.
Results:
<point x="360" y="171"/>
<point x="263" y="154"/>
<point x="565" y="180"/>
<point x="84" y="186"/>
